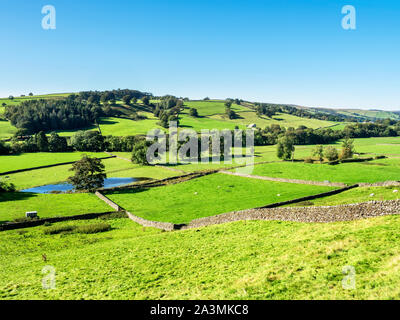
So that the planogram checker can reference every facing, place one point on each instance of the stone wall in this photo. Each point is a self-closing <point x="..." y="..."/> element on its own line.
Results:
<point x="112" y="204"/>
<point x="305" y="214"/>
<point x="38" y="222"/>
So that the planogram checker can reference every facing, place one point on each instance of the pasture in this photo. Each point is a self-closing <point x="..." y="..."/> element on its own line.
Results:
<point x="241" y="260"/>
<point x="14" y="205"/>
<point x="30" y="160"/>
<point x="349" y="173"/>
<point x="207" y="196"/>
<point x="358" y="195"/>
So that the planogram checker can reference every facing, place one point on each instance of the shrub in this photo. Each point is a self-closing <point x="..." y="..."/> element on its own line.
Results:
<point x="114" y="215"/>
<point x="331" y="153"/>
<point x="93" y="228"/>
<point x="308" y="160"/>
<point x="58" y="229"/>
<point x="25" y="219"/>
<point x="6" y="187"/>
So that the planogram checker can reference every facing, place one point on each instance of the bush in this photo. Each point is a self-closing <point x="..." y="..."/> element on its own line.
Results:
<point x="58" y="229"/>
<point x="93" y="228"/>
<point x="309" y="160"/>
<point x="114" y="215"/>
<point x="331" y="153"/>
<point x="6" y="187"/>
<point x="25" y="219"/>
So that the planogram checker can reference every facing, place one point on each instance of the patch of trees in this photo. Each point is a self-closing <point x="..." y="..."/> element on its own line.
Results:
<point x="48" y="115"/>
<point x="6" y="186"/>
<point x="168" y="109"/>
<point x="306" y="136"/>
<point x="110" y="96"/>
<point x="40" y="143"/>
<point x="268" y="108"/>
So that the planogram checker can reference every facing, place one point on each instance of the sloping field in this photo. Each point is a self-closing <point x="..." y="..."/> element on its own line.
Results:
<point x="241" y="260"/>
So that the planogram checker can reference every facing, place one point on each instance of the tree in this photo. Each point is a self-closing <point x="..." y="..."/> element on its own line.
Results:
<point x="319" y="152"/>
<point x="3" y="148"/>
<point x="193" y="112"/>
<point x="331" y="153"/>
<point x="127" y="99"/>
<point x="347" y="149"/>
<point x="88" y="141"/>
<point x="230" y="113"/>
<point x="146" y="100"/>
<point x="57" y="143"/>
<point x="6" y="187"/>
<point x="89" y="174"/>
<point x="42" y="142"/>
<point x="206" y="99"/>
<point x="11" y="97"/>
<point x="30" y="94"/>
<point x="285" y="148"/>
<point x="228" y="104"/>
<point x="139" y="153"/>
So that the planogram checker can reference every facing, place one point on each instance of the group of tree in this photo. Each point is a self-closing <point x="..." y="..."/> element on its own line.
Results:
<point x="37" y="143"/>
<point x="286" y="148"/>
<point x="271" y="109"/>
<point x="332" y="154"/>
<point x="228" y="110"/>
<point x="168" y="109"/>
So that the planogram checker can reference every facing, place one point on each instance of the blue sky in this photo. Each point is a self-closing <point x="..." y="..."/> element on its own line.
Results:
<point x="286" y="51"/>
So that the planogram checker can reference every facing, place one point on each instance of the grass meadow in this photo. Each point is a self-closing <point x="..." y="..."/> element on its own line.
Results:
<point x="14" y="205"/>
<point x="240" y="260"/>
<point x="207" y="196"/>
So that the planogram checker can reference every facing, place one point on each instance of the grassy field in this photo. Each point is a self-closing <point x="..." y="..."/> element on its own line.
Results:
<point x="373" y="171"/>
<point x="363" y="194"/>
<point x="6" y="129"/>
<point x="241" y="260"/>
<point x="14" y="205"/>
<point x="207" y="196"/>
<point x="212" y="107"/>
<point x="30" y="160"/>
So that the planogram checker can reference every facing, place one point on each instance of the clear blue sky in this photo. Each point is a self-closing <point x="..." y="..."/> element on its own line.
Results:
<point x="284" y="51"/>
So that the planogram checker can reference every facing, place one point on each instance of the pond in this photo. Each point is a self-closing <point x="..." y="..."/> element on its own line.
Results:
<point x="65" y="187"/>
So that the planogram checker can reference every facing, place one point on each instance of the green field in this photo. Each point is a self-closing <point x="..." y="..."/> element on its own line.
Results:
<point x="241" y="260"/>
<point x="207" y="196"/>
<point x="350" y="173"/>
<point x="358" y="195"/>
<point x="14" y="205"/>
<point x="31" y="160"/>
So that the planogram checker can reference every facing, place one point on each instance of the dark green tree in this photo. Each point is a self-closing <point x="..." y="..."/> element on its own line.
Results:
<point x="193" y="112"/>
<point x="42" y="142"/>
<point x="285" y="148"/>
<point x="139" y="153"/>
<point x="89" y="174"/>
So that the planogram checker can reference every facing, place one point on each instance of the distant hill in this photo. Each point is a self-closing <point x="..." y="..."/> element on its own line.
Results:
<point x="359" y="114"/>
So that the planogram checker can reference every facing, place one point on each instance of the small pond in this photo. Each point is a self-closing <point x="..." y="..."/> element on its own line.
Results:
<point x="65" y="187"/>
